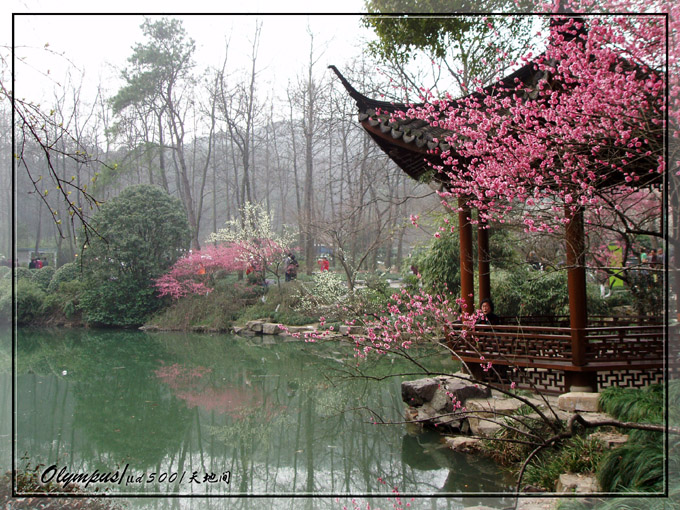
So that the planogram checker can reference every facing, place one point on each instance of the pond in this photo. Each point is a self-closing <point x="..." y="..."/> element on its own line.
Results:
<point x="170" y="414"/>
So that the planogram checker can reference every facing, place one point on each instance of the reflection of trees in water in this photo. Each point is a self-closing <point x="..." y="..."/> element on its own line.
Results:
<point x="272" y="415"/>
<point x="105" y="380"/>
<point x="5" y="420"/>
<point x="121" y="405"/>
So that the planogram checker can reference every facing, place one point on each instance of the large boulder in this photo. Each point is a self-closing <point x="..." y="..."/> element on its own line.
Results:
<point x="441" y="392"/>
<point x="579" y="401"/>
<point x="269" y="328"/>
<point x="416" y="393"/>
<point x="435" y="400"/>
<point x="255" y="325"/>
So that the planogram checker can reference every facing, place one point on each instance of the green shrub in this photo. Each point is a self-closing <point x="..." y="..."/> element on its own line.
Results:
<point x="5" y="300"/>
<point x="43" y="276"/>
<point x="66" y="273"/>
<point x="23" y="273"/>
<point x="5" y="272"/>
<point x="141" y="233"/>
<point x="619" y="298"/>
<point x="439" y="264"/>
<point x="637" y="405"/>
<point x="529" y="292"/>
<point x="376" y="292"/>
<point x="118" y="302"/>
<point x="507" y="293"/>
<point x="64" y="300"/>
<point x="264" y="311"/>
<point x="30" y="300"/>
<point x="219" y="309"/>
<point x="647" y="294"/>
<point x="577" y="455"/>
<point x="638" y="466"/>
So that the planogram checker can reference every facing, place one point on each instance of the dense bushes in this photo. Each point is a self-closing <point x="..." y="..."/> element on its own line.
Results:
<point x="5" y="300"/>
<point x="66" y="273"/>
<point x="43" y="276"/>
<point x="637" y="466"/>
<point x="141" y="233"/>
<point x="528" y="292"/>
<point x="30" y="299"/>
<point x="229" y="302"/>
<point x="438" y="264"/>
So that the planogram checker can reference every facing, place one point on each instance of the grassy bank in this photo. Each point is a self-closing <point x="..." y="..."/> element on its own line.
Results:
<point x="234" y="303"/>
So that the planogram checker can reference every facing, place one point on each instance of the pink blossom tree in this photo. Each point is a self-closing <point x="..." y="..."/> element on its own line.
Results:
<point x="592" y="123"/>
<point x="195" y="272"/>
<point x="261" y="246"/>
<point x="581" y="135"/>
<point x="587" y="137"/>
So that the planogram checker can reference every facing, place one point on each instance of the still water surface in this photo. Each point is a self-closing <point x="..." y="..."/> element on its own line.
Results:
<point x="182" y="414"/>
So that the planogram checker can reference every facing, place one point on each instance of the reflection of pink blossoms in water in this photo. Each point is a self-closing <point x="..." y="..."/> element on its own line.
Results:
<point x="397" y="502"/>
<point x="189" y="386"/>
<point x="176" y="374"/>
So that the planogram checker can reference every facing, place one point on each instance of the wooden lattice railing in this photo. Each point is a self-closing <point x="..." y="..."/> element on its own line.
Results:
<point x="625" y="344"/>
<point x="514" y="345"/>
<point x="619" y="354"/>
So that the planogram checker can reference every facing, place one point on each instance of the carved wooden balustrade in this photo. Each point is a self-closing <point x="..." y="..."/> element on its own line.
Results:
<point x="539" y="356"/>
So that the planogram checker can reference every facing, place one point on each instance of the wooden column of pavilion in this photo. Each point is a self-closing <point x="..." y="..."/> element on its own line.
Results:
<point x="467" y="268"/>
<point x="414" y="145"/>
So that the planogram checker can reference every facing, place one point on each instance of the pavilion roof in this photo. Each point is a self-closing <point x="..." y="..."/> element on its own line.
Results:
<point x="415" y="145"/>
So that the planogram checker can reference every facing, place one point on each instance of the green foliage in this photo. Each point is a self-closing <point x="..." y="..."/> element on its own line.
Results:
<point x="64" y="300"/>
<point x="639" y="464"/>
<point x="439" y="264"/>
<point x="5" y="300"/>
<point x="502" y="251"/>
<point x="619" y="299"/>
<point x="637" y="405"/>
<point x="376" y="292"/>
<point x="468" y="43"/>
<point x="529" y="292"/>
<point x="400" y="36"/>
<point x="143" y="232"/>
<point x="5" y="272"/>
<point x="596" y="305"/>
<point x="30" y="300"/>
<point x="23" y="273"/>
<point x="623" y="503"/>
<point x="286" y="317"/>
<point x="525" y="292"/>
<point x="165" y="58"/>
<point x="218" y="310"/>
<point x="66" y="273"/>
<point x="43" y="276"/>
<point x="647" y="292"/>
<point x="282" y="305"/>
<point x="577" y="455"/>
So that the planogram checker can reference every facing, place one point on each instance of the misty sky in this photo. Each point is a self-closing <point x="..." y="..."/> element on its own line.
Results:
<point x="96" y="46"/>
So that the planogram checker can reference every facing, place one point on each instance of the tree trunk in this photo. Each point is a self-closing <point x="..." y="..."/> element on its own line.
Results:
<point x="38" y="228"/>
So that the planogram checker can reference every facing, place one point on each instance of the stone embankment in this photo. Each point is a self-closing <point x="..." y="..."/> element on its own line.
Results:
<point x="263" y="327"/>
<point x="467" y="413"/>
<point x="259" y="327"/>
